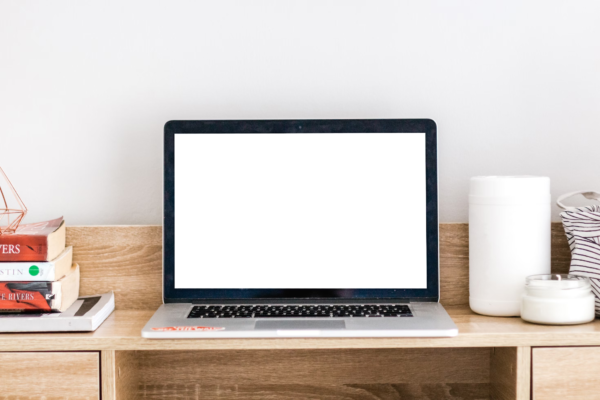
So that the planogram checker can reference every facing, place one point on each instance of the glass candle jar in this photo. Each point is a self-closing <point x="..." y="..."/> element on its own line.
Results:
<point x="557" y="300"/>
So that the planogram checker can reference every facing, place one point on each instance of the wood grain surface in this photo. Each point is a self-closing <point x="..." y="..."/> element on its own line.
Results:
<point x="314" y="374"/>
<point x="523" y="374"/>
<point x="108" y="375"/>
<point x="128" y="376"/>
<point x="429" y="391"/>
<point x="120" y="375"/>
<point x="128" y="260"/>
<point x="510" y="373"/>
<point x="125" y="259"/>
<point x="121" y="331"/>
<point x="50" y="376"/>
<point x="566" y="373"/>
<point x="316" y="367"/>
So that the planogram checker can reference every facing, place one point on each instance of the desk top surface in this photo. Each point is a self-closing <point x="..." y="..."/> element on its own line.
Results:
<point x="122" y="331"/>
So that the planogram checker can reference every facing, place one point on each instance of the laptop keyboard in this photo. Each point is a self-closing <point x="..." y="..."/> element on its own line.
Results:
<point x="301" y="311"/>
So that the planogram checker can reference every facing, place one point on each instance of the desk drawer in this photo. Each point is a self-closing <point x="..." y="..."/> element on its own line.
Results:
<point x="566" y="373"/>
<point x="50" y="375"/>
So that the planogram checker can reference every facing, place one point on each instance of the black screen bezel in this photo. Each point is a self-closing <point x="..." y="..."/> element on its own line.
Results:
<point x="427" y="126"/>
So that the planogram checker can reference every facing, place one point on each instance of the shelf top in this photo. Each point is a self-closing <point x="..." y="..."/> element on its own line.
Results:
<point x="122" y="331"/>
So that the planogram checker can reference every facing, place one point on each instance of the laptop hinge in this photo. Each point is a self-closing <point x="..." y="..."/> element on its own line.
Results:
<point x="301" y="301"/>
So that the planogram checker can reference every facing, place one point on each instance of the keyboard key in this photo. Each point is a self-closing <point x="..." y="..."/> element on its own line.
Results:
<point x="302" y="311"/>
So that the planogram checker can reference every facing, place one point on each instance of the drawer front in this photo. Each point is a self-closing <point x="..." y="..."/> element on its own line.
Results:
<point x="566" y="373"/>
<point x="55" y="375"/>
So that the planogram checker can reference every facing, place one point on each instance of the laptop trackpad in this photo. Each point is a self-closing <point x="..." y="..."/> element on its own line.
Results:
<point x="299" y="325"/>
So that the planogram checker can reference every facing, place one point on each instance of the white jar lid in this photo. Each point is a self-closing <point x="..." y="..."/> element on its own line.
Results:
<point x="525" y="187"/>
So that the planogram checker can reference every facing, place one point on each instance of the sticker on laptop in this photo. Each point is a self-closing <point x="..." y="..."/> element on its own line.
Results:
<point x="188" y="328"/>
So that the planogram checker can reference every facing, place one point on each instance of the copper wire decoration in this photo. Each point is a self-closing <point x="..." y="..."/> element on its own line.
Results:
<point x="10" y="216"/>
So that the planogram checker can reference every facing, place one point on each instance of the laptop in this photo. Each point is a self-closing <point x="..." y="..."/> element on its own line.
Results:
<point x="300" y="228"/>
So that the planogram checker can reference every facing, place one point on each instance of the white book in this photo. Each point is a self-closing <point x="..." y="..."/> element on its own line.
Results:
<point x="37" y="271"/>
<point x="86" y="314"/>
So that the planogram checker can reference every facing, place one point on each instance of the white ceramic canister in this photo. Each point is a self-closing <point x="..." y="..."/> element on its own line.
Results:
<point x="509" y="240"/>
<point x="558" y="300"/>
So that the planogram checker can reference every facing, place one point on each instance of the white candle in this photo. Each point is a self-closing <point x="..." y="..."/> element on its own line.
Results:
<point x="557" y="300"/>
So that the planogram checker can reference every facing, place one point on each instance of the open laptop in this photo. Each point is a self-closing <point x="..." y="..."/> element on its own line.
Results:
<point x="306" y="228"/>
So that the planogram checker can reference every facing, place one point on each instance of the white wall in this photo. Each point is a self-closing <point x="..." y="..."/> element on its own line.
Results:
<point x="86" y="86"/>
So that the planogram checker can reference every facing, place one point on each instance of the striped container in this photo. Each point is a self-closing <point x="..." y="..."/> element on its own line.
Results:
<point x="582" y="226"/>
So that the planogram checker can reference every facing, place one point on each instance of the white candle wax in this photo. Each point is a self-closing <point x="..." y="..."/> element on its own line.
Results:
<point x="557" y="300"/>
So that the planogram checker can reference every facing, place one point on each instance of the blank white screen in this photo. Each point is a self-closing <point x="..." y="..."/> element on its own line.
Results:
<point x="256" y="211"/>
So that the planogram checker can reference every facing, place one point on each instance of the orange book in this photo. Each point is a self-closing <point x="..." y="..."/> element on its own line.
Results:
<point x="42" y="241"/>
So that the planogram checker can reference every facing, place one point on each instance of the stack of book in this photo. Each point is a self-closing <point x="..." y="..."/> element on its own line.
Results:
<point x="39" y="283"/>
<point x="37" y="273"/>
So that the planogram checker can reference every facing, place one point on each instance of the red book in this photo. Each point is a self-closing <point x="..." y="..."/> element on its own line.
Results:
<point x="42" y="241"/>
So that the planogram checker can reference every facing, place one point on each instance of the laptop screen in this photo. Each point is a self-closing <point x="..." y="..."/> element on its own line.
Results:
<point x="300" y="211"/>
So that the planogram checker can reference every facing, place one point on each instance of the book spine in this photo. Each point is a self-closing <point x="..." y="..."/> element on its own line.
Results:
<point x="22" y="297"/>
<point x="27" y="271"/>
<point x="23" y="248"/>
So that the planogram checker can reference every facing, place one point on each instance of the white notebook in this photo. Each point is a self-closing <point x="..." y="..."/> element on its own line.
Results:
<point x="86" y="314"/>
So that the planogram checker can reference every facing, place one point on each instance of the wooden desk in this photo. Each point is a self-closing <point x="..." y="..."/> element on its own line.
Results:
<point x="121" y="331"/>
<point x="490" y="358"/>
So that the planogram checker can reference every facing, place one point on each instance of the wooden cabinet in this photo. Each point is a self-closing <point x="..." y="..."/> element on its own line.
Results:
<point x="566" y="373"/>
<point x="50" y="375"/>
<point x="491" y="358"/>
